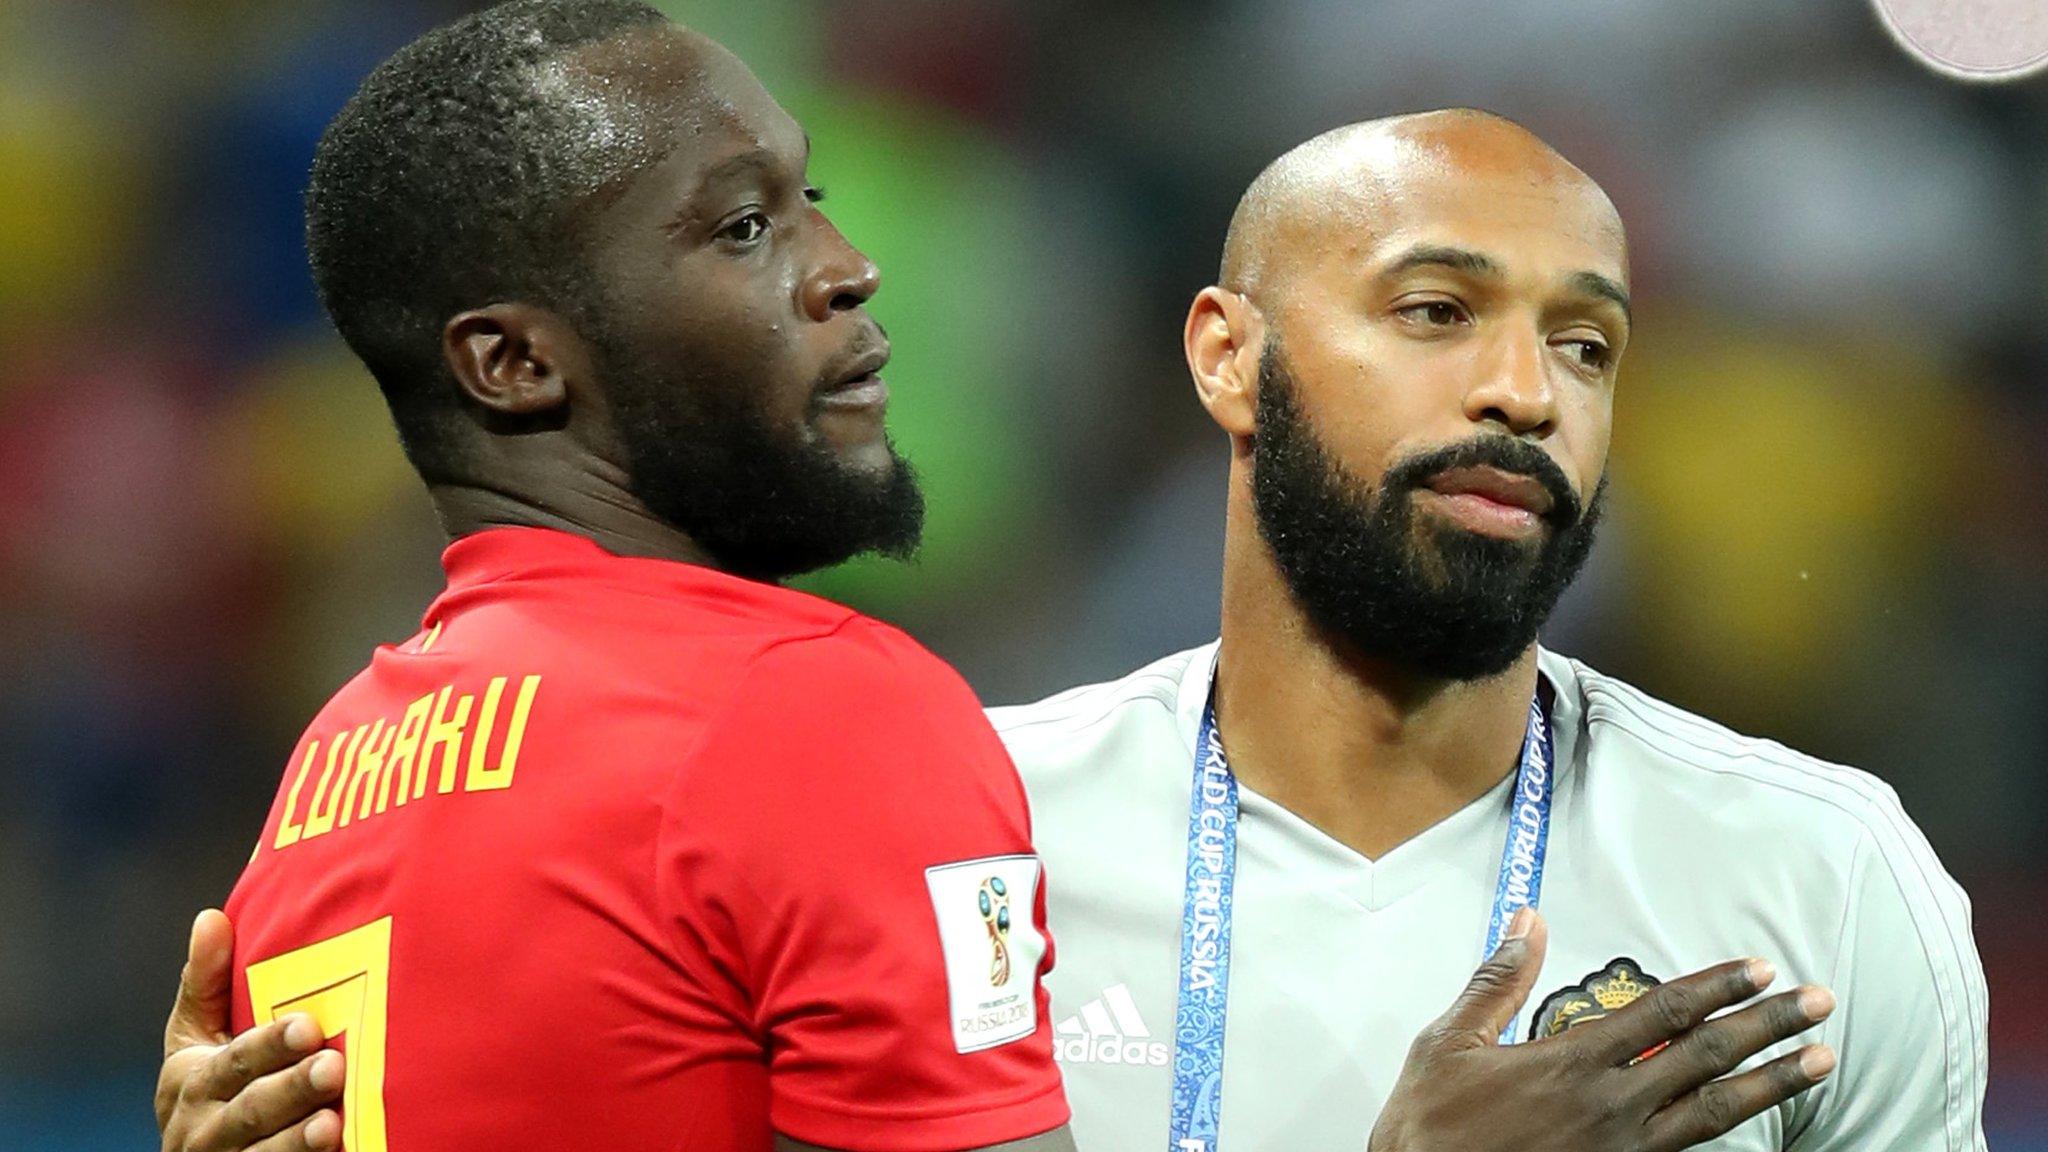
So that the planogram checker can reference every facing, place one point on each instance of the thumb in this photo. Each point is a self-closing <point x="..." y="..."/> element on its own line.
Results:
<point x="1502" y="984"/>
<point x="205" y="989"/>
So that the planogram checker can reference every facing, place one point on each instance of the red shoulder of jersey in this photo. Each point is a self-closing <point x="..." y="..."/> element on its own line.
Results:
<point x="850" y="842"/>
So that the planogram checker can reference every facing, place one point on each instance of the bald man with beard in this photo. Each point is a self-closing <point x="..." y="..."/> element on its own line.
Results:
<point x="1294" y="839"/>
<point x="1299" y="839"/>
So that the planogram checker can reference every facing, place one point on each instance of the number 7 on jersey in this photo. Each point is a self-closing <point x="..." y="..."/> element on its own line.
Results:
<point x="344" y="983"/>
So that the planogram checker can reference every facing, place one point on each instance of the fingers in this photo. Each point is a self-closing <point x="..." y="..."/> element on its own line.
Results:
<point x="278" y="1106"/>
<point x="1502" y="984"/>
<point x="1714" y="1109"/>
<point x="258" y="1052"/>
<point x="172" y="1081"/>
<point x="200" y="1014"/>
<point x="320" y="1132"/>
<point x="1670" y="1010"/>
<point x="1714" y="1049"/>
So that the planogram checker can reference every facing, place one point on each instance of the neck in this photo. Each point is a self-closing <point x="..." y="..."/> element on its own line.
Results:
<point x="588" y="499"/>
<point x="1367" y="751"/>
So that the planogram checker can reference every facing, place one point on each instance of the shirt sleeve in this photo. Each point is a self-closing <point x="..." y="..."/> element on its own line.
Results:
<point x="851" y="844"/>
<point x="1911" y="1025"/>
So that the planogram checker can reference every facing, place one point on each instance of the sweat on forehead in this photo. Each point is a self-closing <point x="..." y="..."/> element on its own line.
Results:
<point x="1359" y="166"/>
<point x="628" y="101"/>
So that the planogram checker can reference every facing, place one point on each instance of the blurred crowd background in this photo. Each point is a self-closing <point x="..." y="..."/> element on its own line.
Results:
<point x="1828" y="517"/>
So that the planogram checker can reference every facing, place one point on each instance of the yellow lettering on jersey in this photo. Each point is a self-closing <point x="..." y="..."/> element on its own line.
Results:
<point x="288" y="829"/>
<point x="446" y="734"/>
<point x="404" y="748"/>
<point x="356" y="782"/>
<point x="369" y="766"/>
<point x="480" y="740"/>
<point x="481" y="779"/>
<point x="320" y="814"/>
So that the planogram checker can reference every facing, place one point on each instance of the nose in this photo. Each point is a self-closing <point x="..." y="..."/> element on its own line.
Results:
<point x="1514" y="388"/>
<point x="843" y="280"/>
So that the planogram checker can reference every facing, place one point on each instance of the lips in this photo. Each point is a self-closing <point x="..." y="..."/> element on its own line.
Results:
<point x="855" y="384"/>
<point x="1501" y="487"/>
<point x="857" y="372"/>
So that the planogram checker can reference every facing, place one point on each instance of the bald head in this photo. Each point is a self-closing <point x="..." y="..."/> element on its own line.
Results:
<point x="1346" y="179"/>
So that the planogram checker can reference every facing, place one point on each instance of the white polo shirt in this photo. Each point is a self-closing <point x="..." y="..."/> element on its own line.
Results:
<point x="1675" y="844"/>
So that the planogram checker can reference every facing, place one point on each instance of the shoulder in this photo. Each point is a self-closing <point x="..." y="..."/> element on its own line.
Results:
<point x="860" y="693"/>
<point x="854" y="728"/>
<point x="1800" y="811"/>
<point x="1094" y="724"/>
<point x="852" y="701"/>
<point x="855" y="660"/>
<point x="1686" y="750"/>
<point x="1151" y="692"/>
<point x="672" y="645"/>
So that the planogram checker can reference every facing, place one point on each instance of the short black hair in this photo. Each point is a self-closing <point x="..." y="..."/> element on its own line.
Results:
<point x="446" y="183"/>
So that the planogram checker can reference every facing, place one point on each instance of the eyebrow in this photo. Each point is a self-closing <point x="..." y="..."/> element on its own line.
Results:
<point x="758" y="160"/>
<point x="1594" y="284"/>
<point x="1480" y="264"/>
<point x="1459" y="259"/>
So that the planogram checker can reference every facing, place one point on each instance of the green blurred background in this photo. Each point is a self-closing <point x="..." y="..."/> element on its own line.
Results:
<point x="1828" y="522"/>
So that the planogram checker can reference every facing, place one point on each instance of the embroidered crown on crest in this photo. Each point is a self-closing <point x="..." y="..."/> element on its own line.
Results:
<point x="1618" y="991"/>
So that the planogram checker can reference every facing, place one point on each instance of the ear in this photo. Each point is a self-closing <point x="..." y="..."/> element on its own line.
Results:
<point x="514" y="359"/>
<point x="1223" y="340"/>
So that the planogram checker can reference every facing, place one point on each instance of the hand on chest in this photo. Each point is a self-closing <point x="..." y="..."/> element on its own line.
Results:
<point x="1337" y="963"/>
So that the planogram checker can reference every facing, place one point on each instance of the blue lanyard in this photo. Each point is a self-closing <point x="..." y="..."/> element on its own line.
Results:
<point x="1205" y="915"/>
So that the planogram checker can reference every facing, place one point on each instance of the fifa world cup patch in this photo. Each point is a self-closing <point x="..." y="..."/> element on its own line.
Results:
<point x="989" y="937"/>
<point x="1600" y="994"/>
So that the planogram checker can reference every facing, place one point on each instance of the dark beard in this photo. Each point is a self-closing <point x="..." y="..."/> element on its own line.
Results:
<point x="1428" y="596"/>
<point x="766" y="503"/>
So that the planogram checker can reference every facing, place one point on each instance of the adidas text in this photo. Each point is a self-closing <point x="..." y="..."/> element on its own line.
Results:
<point x="1109" y="1050"/>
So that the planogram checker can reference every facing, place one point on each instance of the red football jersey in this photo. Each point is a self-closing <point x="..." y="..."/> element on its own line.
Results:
<point x="622" y="853"/>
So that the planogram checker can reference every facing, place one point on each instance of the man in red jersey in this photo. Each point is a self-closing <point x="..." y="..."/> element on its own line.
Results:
<point x="710" y="862"/>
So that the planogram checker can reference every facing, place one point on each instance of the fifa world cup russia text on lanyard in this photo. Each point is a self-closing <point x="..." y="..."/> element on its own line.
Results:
<point x="1206" y="908"/>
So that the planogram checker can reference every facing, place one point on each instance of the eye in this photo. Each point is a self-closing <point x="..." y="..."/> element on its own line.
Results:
<point x="815" y="195"/>
<point x="1590" y="353"/>
<point x="1434" y="313"/>
<point x="747" y="229"/>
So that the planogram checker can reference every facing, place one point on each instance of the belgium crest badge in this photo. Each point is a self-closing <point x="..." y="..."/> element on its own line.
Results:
<point x="1609" y="990"/>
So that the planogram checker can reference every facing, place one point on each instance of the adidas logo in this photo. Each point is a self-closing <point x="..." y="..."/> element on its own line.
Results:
<point x="1108" y="1031"/>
